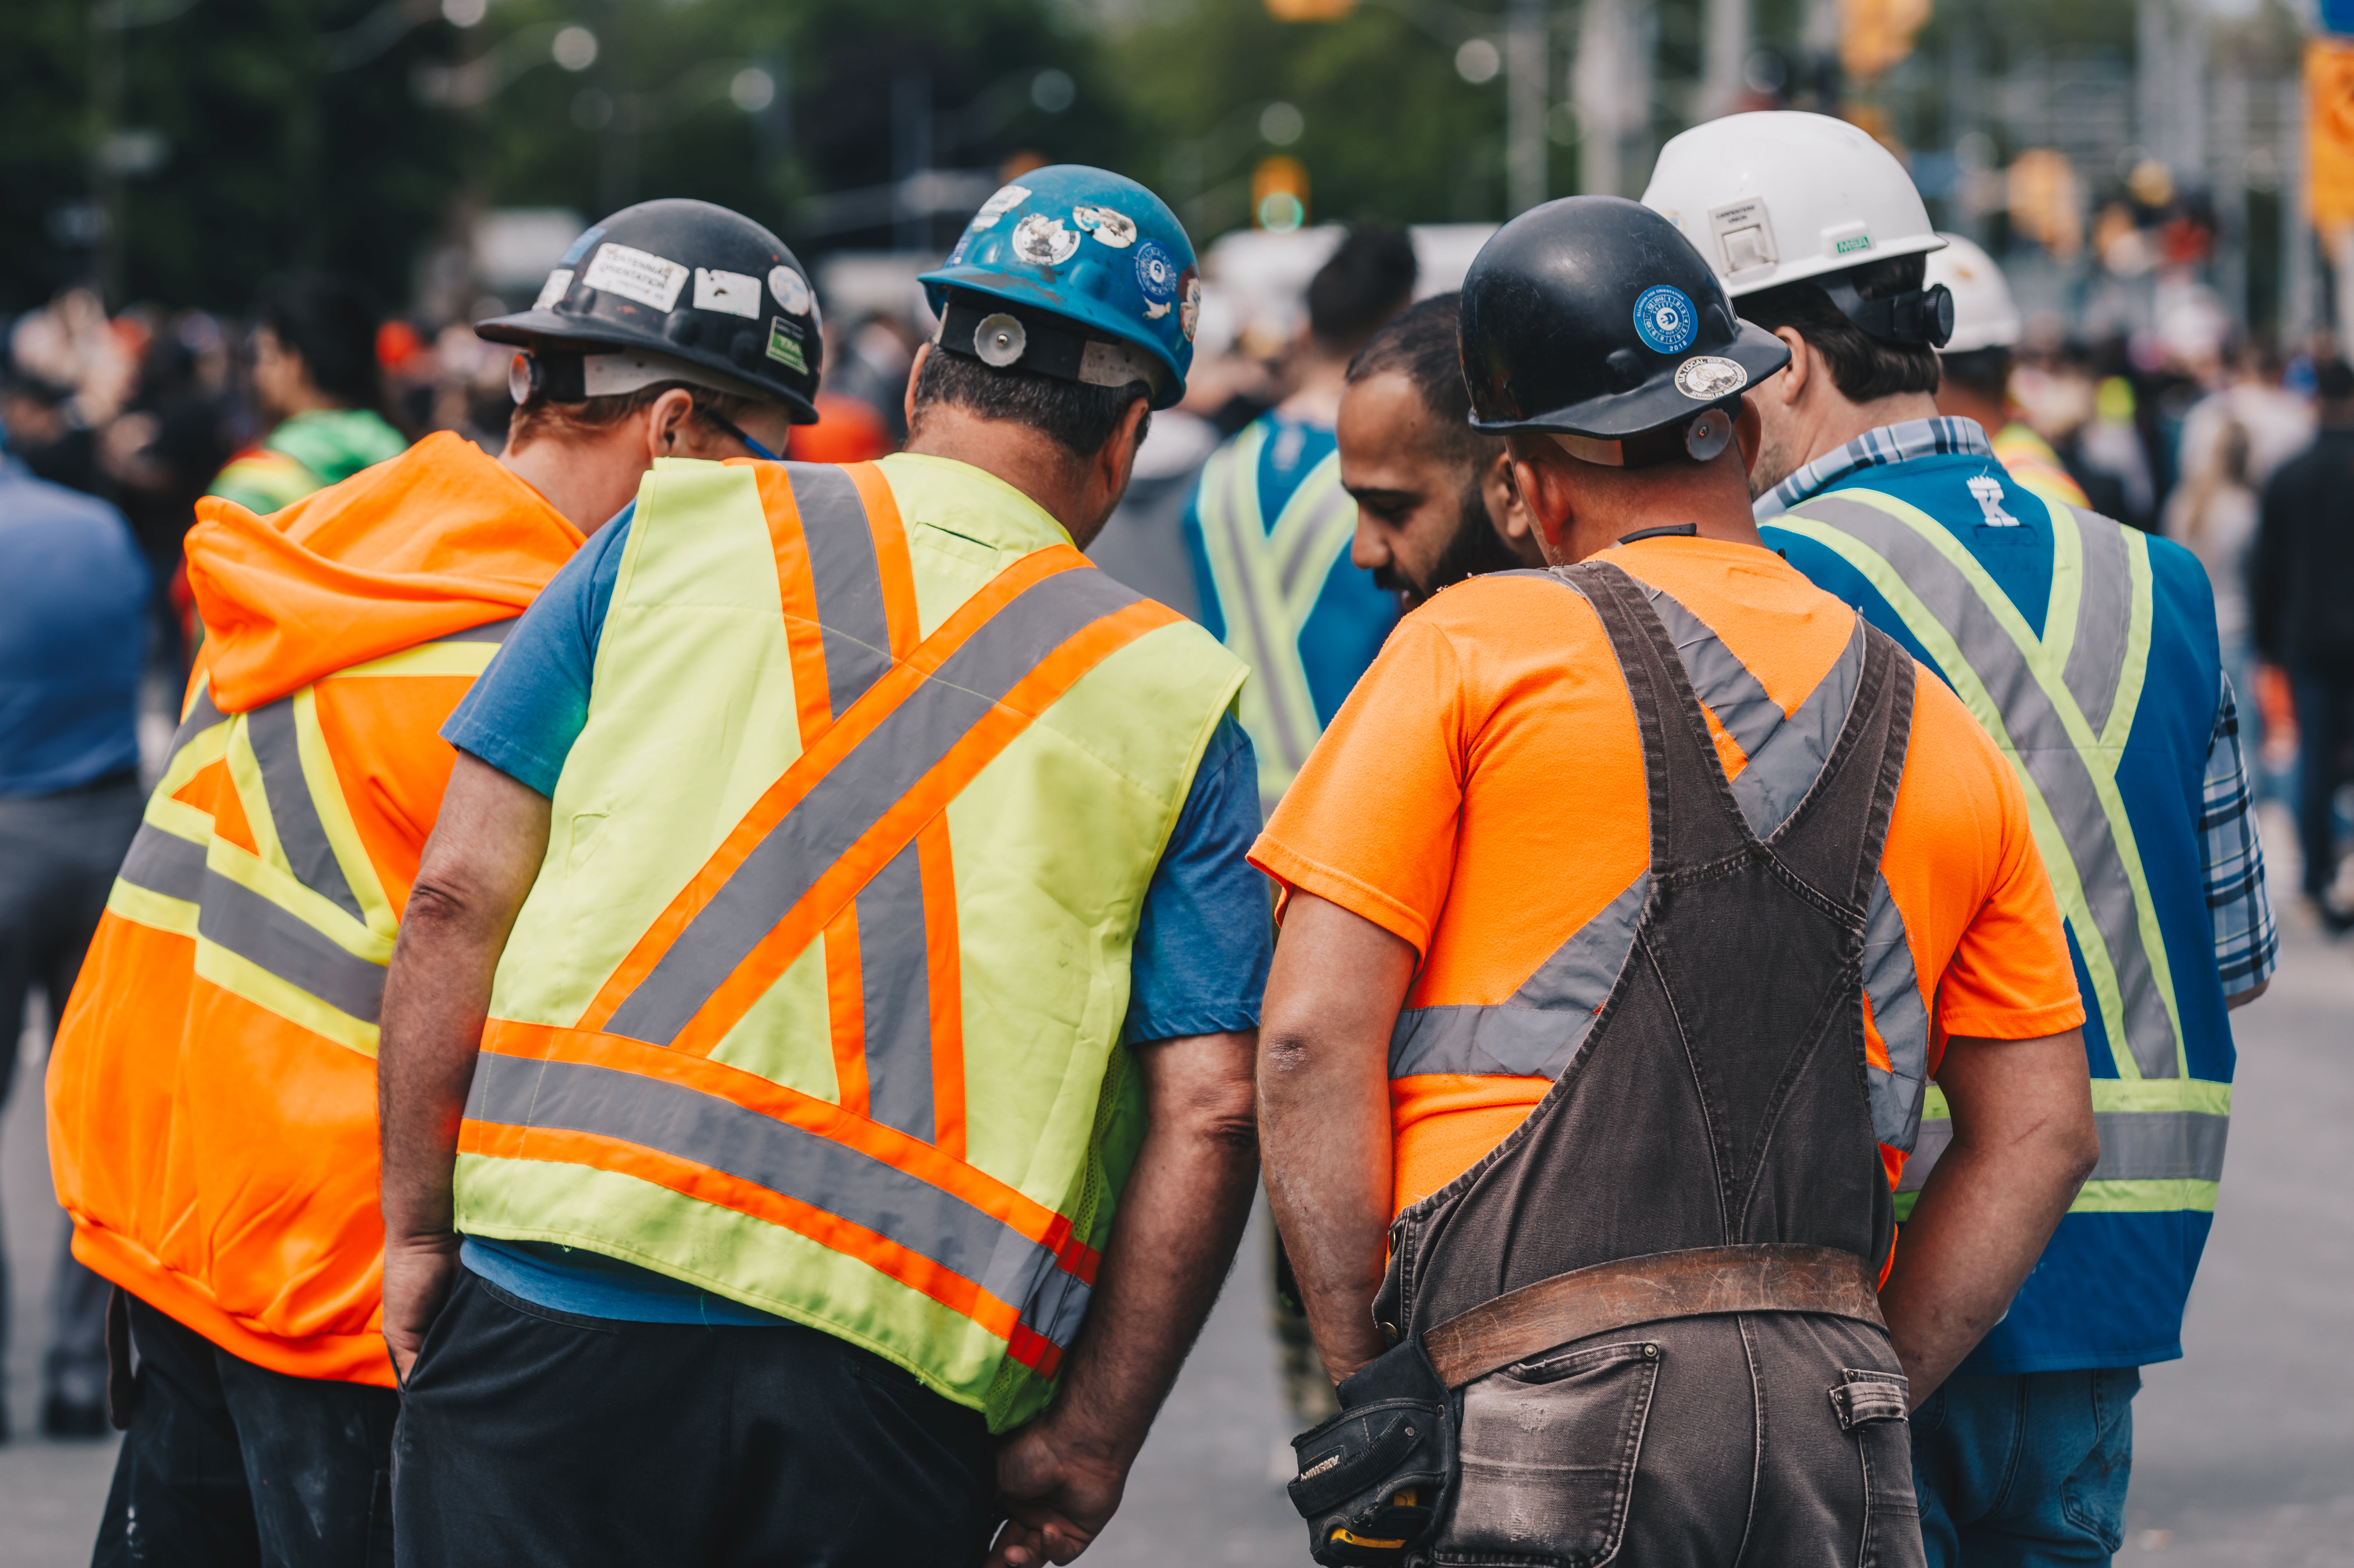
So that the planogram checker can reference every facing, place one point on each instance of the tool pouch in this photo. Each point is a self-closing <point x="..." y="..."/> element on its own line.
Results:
<point x="1372" y="1479"/>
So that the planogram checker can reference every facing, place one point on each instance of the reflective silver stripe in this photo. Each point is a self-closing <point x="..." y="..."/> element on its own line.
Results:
<point x="895" y="977"/>
<point x="1537" y="1032"/>
<point x="2096" y="658"/>
<point x="724" y="1136"/>
<point x="853" y="796"/>
<point x="1305" y="556"/>
<point x="1787" y="753"/>
<point x="269" y="729"/>
<point x="234" y="917"/>
<point x="201" y="717"/>
<point x="165" y="863"/>
<point x="847" y="578"/>
<point x="2135" y="1146"/>
<point x="490" y="632"/>
<point x="1893" y="986"/>
<point x="1221" y="507"/>
<point x="2044" y="749"/>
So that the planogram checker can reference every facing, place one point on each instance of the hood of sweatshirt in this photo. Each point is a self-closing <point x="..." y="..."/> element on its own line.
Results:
<point x="435" y="541"/>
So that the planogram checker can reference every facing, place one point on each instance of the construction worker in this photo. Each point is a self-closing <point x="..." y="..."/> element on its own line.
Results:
<point x="1974" y="369"/>
<point x="1435" y="497"/>
<point x="212" y="1097"/>
<point x="2087" y="650"/>
<point x="838" y="992"/>
<point x="1270" y="526"/>
<point x="315" y="380"/>
<point x="1629" y="905"/>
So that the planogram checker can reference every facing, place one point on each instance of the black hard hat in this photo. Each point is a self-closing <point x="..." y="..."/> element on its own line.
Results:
<point x="688" y="282"/>
<point x="1592" y="317"/>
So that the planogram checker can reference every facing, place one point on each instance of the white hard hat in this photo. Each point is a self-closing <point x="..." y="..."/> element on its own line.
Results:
<point x="1983" y="315"/>
<point x="1779" y="195"/>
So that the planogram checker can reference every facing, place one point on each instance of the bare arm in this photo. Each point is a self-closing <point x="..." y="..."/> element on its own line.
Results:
<point x="478" y="867"/>
<point x="1324" y="1114"/>
<point x="2024" y="1142"/>
<point x="1181" y="1218"/>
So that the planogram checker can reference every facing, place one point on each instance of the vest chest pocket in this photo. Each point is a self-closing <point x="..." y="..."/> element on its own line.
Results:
<point x="1871" y="1410"/>
<point x="1549" y="1448"/>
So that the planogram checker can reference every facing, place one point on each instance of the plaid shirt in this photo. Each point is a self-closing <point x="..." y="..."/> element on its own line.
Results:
<point x="2247" y="945"/>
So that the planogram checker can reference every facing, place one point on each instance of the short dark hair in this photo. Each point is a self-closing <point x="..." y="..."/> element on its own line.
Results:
<point x="1369" y="278"/>
<point x="330" y="323"/>
<point x="1863" y="367"/>
<point x="1079" y="413"/>
<point x="1424" y="344"/>
<point x="540" y="417"/>
<point x="1985" y="371"/>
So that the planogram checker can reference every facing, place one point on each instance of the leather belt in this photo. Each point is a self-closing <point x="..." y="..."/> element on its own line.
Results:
<point x="1761" y="1278"/>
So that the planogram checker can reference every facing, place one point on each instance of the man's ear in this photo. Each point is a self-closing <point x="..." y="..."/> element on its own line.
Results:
<point x="1790" y="383"/>
<point x="1507" y="512"/>
<point x="1116" y="459"/>
<point x="915" y="375"/>
<point x="666" y="418"/>
<point x="1544" y="493"/>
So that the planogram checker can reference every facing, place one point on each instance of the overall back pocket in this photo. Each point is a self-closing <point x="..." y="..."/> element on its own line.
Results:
<point x="1549" y="1447"/>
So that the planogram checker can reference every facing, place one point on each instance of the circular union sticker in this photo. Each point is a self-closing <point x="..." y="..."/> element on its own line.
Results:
<point x="1156" y="273"/>
<point x="1705" y="379"/>
<point x="1664" y="320"/>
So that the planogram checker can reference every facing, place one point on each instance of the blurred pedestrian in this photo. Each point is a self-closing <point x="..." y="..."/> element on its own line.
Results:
<point x="1434" y="498"/>
<point x="316" y="381"/>
<point x="2301" y="603"/>
<point x="213" y="1095"/>
<point x="2087" y="649"/>
<point x="1270" y="525"/>
<point x="832" y="1031"/>
<point x="1973" y="365"/>
<point x="72" y="644"/>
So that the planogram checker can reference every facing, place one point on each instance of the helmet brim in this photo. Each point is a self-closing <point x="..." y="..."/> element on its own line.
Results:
<point x="1799" y="272"/>
<point x="1659" y="402"/>
<point x="540" y="331"/>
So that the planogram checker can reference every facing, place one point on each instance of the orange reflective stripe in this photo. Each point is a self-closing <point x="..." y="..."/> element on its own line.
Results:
<point x="804" y="642"/>
<point x="838" y="741"/>
<point x="946" y="987"/>
<point x="891" y="559"/>
<point x="840" y="883"/>
<point x="846" y="1009"/>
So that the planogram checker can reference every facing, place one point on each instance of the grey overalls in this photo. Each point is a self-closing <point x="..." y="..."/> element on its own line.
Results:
<point x="1719" y="1098"/>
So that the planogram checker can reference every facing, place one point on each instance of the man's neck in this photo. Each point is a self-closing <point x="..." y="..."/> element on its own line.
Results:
<point x="1840" y="421"/>
<point x="1029" y="460"/>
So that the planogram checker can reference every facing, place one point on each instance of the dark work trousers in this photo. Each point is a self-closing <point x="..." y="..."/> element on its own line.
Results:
<point x="2025" y="1469"/>
<point x="59" y="854"/>
<point x="533" y="1435"/>
<point x="2324" y="729"/>
<point x="229" y="1464"/>
<point x="1719" y="1097"/>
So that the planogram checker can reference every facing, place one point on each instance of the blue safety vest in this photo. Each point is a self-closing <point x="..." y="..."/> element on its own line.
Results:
<point x="2087" y="650"/>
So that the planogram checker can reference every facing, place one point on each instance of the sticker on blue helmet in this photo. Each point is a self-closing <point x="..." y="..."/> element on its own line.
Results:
<point x="1043" y="241"/>
<point x="1156" y="274"/>
<point x="1664" y="320"/>
<point x="1107" y="225"/>
<point x="1007" y="198"/>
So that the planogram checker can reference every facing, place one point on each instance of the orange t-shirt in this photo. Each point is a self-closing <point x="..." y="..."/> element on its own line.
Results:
<point x="1481" y="795"/>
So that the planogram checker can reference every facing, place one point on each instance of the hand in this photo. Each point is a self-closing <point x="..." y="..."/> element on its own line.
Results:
<point x="418" y="1275"/>
<point x="1059" y="1497"/>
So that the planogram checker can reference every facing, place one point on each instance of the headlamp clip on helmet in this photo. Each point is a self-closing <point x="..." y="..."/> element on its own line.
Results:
<point x="1917" y="315"/>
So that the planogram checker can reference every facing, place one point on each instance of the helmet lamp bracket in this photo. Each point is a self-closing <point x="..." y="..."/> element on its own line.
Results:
<point x="983" y="329"/>
<point x="1916" y="316"/>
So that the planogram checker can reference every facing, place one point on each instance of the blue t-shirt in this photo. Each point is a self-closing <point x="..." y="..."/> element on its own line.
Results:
<point x="1204" y="939"/>
<point x="73" y="639"/>
<point x="2110" y="1289"/>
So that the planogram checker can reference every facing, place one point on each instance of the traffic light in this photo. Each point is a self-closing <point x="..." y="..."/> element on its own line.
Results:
<point x="1876" y="34"/>
<point x="1279" y="194"/>
<point x="1310" y="10"/>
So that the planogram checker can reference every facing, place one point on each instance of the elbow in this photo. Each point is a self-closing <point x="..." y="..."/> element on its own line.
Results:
<point x="2083" y="1153"/>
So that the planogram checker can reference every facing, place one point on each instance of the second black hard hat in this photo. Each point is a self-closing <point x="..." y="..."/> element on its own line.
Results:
<point x="682" y="285"/>
<point x="1593" y="318"/>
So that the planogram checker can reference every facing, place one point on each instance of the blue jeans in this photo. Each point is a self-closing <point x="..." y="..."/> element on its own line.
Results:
<point x="2018" y="1469"/>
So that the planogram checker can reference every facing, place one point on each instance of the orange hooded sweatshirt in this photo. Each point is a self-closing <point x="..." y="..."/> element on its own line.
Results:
<point x="212" y="1092"/>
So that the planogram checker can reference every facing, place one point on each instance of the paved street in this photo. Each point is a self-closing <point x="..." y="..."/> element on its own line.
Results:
<point x="2245" y="1450"/>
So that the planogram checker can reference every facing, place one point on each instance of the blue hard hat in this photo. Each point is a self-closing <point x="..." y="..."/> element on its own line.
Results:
<point x="1061" y="268"/>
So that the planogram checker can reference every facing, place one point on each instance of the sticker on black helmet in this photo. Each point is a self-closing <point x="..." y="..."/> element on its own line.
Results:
<point x="792" y="290"/>
<point x="579" y="248"/>
<point x="1705" y="379"/>
<point x="1113" y="228"/>
<point x="640" y="275"/>
<point x="1007" y="198"/>
<point x="1043" y="241"/>
<point x="559" y="283"/>
<point x="1156" y="274"/>
<point x="785" y="348"/>
<point x="737" y="294"/>
<point x="1664" y="320"/>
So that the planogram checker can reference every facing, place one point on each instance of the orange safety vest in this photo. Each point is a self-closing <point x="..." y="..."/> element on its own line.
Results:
<point x="212" y="1092"/>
